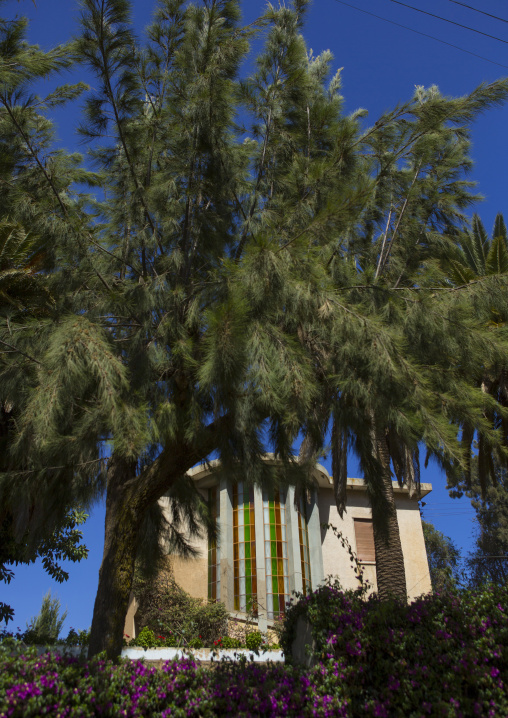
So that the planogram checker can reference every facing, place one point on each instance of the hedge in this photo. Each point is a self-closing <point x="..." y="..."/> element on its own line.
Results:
<point x="444" y="655"/>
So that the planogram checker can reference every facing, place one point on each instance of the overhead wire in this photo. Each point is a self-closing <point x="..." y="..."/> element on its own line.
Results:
<point x="456" y="2"/>
<point x="424" y="34"/>
<point x="452" y="22"/>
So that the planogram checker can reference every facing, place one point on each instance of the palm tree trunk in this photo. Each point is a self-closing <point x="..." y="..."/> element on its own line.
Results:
<point x="122" y="526"/>
<point x="391" y="576"/>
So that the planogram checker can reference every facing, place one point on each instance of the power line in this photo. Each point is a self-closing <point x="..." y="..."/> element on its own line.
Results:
<point x="452" y="22"/>
<point x="424" y="34"/>
<point x="480" y="11"/>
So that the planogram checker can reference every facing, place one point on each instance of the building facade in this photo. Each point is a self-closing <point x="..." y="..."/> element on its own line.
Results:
<point x="268" y="548"/>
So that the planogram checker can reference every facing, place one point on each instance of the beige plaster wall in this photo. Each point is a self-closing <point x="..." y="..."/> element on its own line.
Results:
<point x="129" y="628"/>
<point x="192" y="573"/>
<point x="336" y="559"/>
<point x="413" y="547"/>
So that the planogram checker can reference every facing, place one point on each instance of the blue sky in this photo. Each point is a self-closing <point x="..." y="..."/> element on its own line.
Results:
<point x="382" y="65"/>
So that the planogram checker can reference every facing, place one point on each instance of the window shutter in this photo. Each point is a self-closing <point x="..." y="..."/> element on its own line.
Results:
<point x="364" y="532"/>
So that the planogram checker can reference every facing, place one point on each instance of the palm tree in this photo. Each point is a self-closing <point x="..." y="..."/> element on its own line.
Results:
<point x="482" y="261"/>
<point x="22" y="284"/>
<point x="401" y="347"/>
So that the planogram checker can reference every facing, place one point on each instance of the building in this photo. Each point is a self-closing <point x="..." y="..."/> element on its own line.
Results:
<point x="268" y="549"/>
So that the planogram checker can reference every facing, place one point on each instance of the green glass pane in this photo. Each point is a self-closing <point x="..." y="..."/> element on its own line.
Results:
<point x="247" y="534"/>
<point x="248" y="585"/>
<point x="237" y="603"/>
<point x="246" y="514"/>
<point x="274" y="566"/>
<point x="247" y="550"/>
<point x="272" y="515"/>
<point x="248" y="565"/>
<point x="272" y="532"/>
<point x="274" y="549"/>
<point x="276" y="607"/>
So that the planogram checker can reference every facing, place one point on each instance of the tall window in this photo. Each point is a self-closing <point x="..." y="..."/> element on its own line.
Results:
<point x="276" y="552"/>
<point x="213" y="553"/>
<point x="244" y="548"/>
<point x="303" y="534"/>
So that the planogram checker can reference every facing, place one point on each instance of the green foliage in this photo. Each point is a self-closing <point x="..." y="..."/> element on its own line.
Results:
<point x="29" y="637"/>
<point x="77" y="638"/>
<point x="146" y="638"/>
<point x="483" y="260"/>
<point x="227" y="283"/>
<point x="63" y="544"/>
<point x="181" y="688"/>
<point x="441" y="655"/>
<point x="443" y="557"/>
<point x="488" y="562"/>
<point x="254" y="640"/>
<point x="227" y="642"/>
<point x="46" y="626"/>
<point x="169" y="612"/>
<point x="22" y="288"/>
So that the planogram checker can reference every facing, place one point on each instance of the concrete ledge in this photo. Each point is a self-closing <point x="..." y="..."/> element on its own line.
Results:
<point x="169" y="654"/>
<point x="202" y="654"/>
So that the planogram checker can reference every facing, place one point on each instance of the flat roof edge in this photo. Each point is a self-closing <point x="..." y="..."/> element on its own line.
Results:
<point x="321" y="475"/>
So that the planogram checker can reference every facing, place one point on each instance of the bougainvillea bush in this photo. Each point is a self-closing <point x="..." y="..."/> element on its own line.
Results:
<point x="443" y="655"/>
<point x="32" y="686"/>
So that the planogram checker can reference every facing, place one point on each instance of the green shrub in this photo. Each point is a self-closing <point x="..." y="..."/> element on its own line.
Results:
<point x="442" y="655"/>
<point x="30" y="638"/>
<point x="169" y="611"/>
<point x="196" y="643"/>
<point x="227" y="642"/>
<point x="46" y="626"/>
<point x="146" y="638"/>
<point x="77" y="638"/>
<point x="254" y="640"/>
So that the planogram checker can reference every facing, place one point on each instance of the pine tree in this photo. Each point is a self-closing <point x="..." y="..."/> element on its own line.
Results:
<point x="178" y="333"/>
<point x="232" y="279"/>
<point x="46" y="626"/>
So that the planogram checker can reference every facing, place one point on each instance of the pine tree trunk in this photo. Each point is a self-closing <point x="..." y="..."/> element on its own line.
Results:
<point x="122" y="525"/>
<point x="391" y="576"/>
